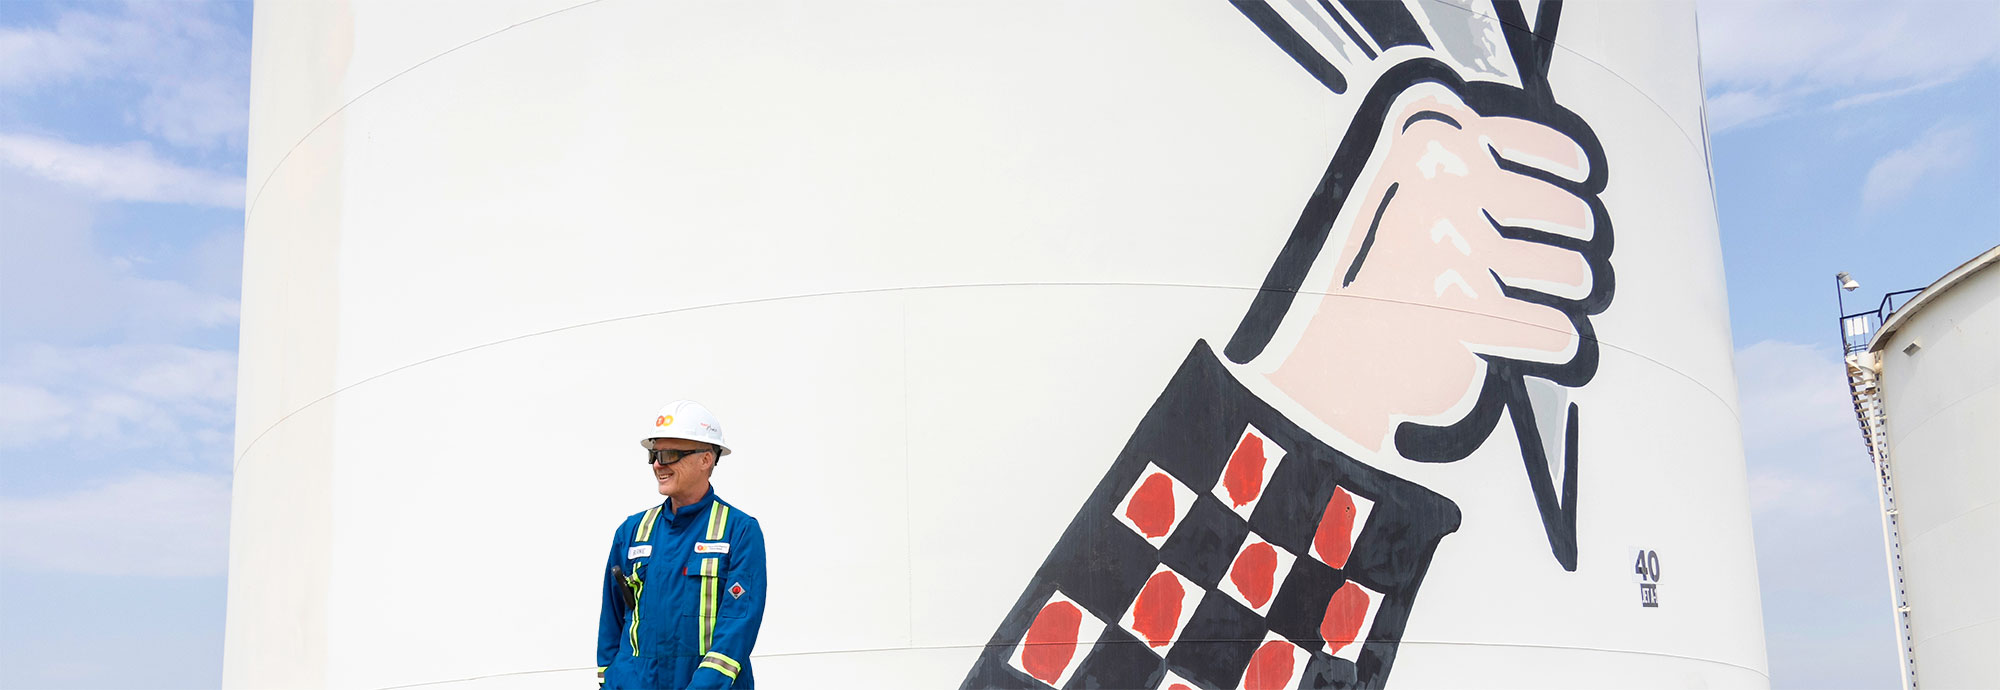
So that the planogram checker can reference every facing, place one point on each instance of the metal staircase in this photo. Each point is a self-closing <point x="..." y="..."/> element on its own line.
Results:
<point x="1864" y="369"/>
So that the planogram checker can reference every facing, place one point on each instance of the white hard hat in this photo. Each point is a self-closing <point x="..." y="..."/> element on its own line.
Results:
<point x="685" y="419"/>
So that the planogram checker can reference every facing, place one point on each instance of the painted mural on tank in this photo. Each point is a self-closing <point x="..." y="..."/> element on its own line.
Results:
<point x="1443" y="271"/>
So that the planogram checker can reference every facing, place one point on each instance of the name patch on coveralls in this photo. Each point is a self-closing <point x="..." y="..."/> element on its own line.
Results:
<point x="711" y="547"/>
<point x="640" y="551"/>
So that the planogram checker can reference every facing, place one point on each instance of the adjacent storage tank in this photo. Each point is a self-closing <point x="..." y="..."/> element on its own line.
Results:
<point x="1937" y="360"/>
<point x="1201" y="344"/>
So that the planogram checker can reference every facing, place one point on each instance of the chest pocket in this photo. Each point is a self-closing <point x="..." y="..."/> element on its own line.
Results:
<point x="704" y="571"/>
<point x="705" y="565"/>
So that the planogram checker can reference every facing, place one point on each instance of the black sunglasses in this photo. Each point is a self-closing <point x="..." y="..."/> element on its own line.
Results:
<point x="669" y="456"/>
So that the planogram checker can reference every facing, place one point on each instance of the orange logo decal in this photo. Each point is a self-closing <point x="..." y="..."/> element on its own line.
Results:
<point x="664" y="420"/>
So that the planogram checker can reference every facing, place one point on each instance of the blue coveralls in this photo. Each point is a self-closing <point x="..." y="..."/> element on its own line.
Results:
<point x="697" y="575"/>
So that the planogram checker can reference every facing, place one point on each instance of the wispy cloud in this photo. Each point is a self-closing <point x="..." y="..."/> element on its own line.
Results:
<point x="1819" y="546"/>
<point x="174" y="400"/>
<point x="1787" y="56"/>
<point x="147" y="523"/>
<point x="185" y="58"/>
<point x="1940" y="151"/>
<point x="1736" y="108"/>
<point x="1795" y="410"/>
<point x="131" y="172"/>
<point x="1873" y="96"/>
<point x="64" y="278"/>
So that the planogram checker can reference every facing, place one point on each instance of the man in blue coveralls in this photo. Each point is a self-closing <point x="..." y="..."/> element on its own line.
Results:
<point x="684" y="587"/>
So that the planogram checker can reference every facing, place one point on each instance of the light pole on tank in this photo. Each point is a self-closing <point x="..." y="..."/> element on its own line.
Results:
<point x="1845" y="283"/>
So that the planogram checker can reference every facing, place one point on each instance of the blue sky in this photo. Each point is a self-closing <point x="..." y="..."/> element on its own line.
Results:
<point x="1862" y="137"/>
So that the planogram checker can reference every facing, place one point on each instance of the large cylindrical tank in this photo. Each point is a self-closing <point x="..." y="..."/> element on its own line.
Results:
<point x="1114" y="344"/>
<point x="1939" y="363"/>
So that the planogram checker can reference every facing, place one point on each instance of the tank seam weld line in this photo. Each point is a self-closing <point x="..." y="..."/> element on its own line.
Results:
<point x="251" y="207"/>
<point x="1514" y="645"/>
<point x="1947" y="407"/>
<point x="1955" y="518"/>
<point x="1959" y="629"/>
<point x="884" y="290"/>
<point x="1685" y="134"/>
<point x="493" y="675"/>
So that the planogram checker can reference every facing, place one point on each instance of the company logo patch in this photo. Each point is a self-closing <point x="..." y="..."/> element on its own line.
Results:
<point x="711" y="547"/>
<point x="736" y="590"/>
<point x="640" y="551"/>
<point x="664" y="420"/>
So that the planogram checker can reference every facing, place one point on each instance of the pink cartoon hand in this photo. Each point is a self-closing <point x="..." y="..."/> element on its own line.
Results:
<point x="1469" y="243"/>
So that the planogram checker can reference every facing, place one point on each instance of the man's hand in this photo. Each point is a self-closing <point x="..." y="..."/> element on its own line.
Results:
<point x="1469" y="240"/>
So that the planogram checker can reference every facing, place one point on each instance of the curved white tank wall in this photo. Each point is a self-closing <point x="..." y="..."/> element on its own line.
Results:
<point x="936" y="265"/>
<point x="1940" y="381"/>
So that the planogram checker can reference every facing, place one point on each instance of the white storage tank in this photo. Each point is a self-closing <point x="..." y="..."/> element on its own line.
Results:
<point x="1937" y="360"/>
<point x="1212" y="344"/>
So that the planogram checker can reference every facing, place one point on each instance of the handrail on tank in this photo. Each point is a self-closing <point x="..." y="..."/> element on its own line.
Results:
<point x="1858" y="327"/>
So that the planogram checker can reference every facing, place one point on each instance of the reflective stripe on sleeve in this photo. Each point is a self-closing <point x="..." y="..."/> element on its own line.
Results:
<point x="726" y="665"/>
<point x="600" y="674"/>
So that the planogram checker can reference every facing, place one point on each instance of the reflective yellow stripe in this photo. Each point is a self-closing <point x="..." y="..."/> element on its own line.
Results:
<point x="711" y="571"/>
<point x="711" y="579"/>
<point x="720" y="658"/>
<point x="600" y="674"/>
<point x="646" y="524"/>
<point x="718" y="518"/>
<point x="638" y="588"/>
<point x="726" y="665"/>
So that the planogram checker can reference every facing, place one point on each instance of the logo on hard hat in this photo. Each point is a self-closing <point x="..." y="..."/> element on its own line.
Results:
<point x="664" y="420"/>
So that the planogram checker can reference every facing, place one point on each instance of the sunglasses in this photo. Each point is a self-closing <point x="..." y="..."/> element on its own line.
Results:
<point x="669" y="456"/>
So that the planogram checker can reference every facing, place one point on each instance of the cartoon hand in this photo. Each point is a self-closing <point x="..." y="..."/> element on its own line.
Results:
<point x="1474" y="243"/>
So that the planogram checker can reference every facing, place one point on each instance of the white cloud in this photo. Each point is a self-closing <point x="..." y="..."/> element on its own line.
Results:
<point x="31" y="56"/>
<point x="1844" y="43"/>
<point x="1736" y="108"/>
<point x="1873" y="96"/>
<point x="119" y="173"/>
<point x="190" y="63"/>
<point x="58" y="285"/>
<point x="149" y="524"/>
<point x="1775" y="57"/>
<point x="1940" y="151"/>
<point x="1791" y="393"/>
<point x="168" y="397"/>
<point x="1818" y="526"/>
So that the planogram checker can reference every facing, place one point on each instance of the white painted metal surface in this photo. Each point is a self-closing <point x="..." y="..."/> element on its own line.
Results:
<point x="1939" y="375"/>
<point x="934" y="263"/>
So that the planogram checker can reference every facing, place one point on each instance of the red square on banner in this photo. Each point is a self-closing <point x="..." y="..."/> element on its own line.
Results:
<point x="1155" y="505"/>
<point x="1339" y="527"/>
<point x="1162" y="609"/>
<point x="1062" y="634"/>
<point x="1349" y="615"/>
<point x="1277" y="665"/>
<point x="1255" y="573"/>
<point x="1248" y="471"/>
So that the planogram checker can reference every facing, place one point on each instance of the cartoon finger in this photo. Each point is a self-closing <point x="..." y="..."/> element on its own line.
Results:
<point x="1430" y="103"/>
<point x="1521" y="331"/>
<point x="1535" y="145"/>
<point x="1543" y="268"/>
<point x="1518" y="201"/>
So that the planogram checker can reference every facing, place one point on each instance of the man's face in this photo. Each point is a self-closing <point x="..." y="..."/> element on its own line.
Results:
<point x="690" y="473"/>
